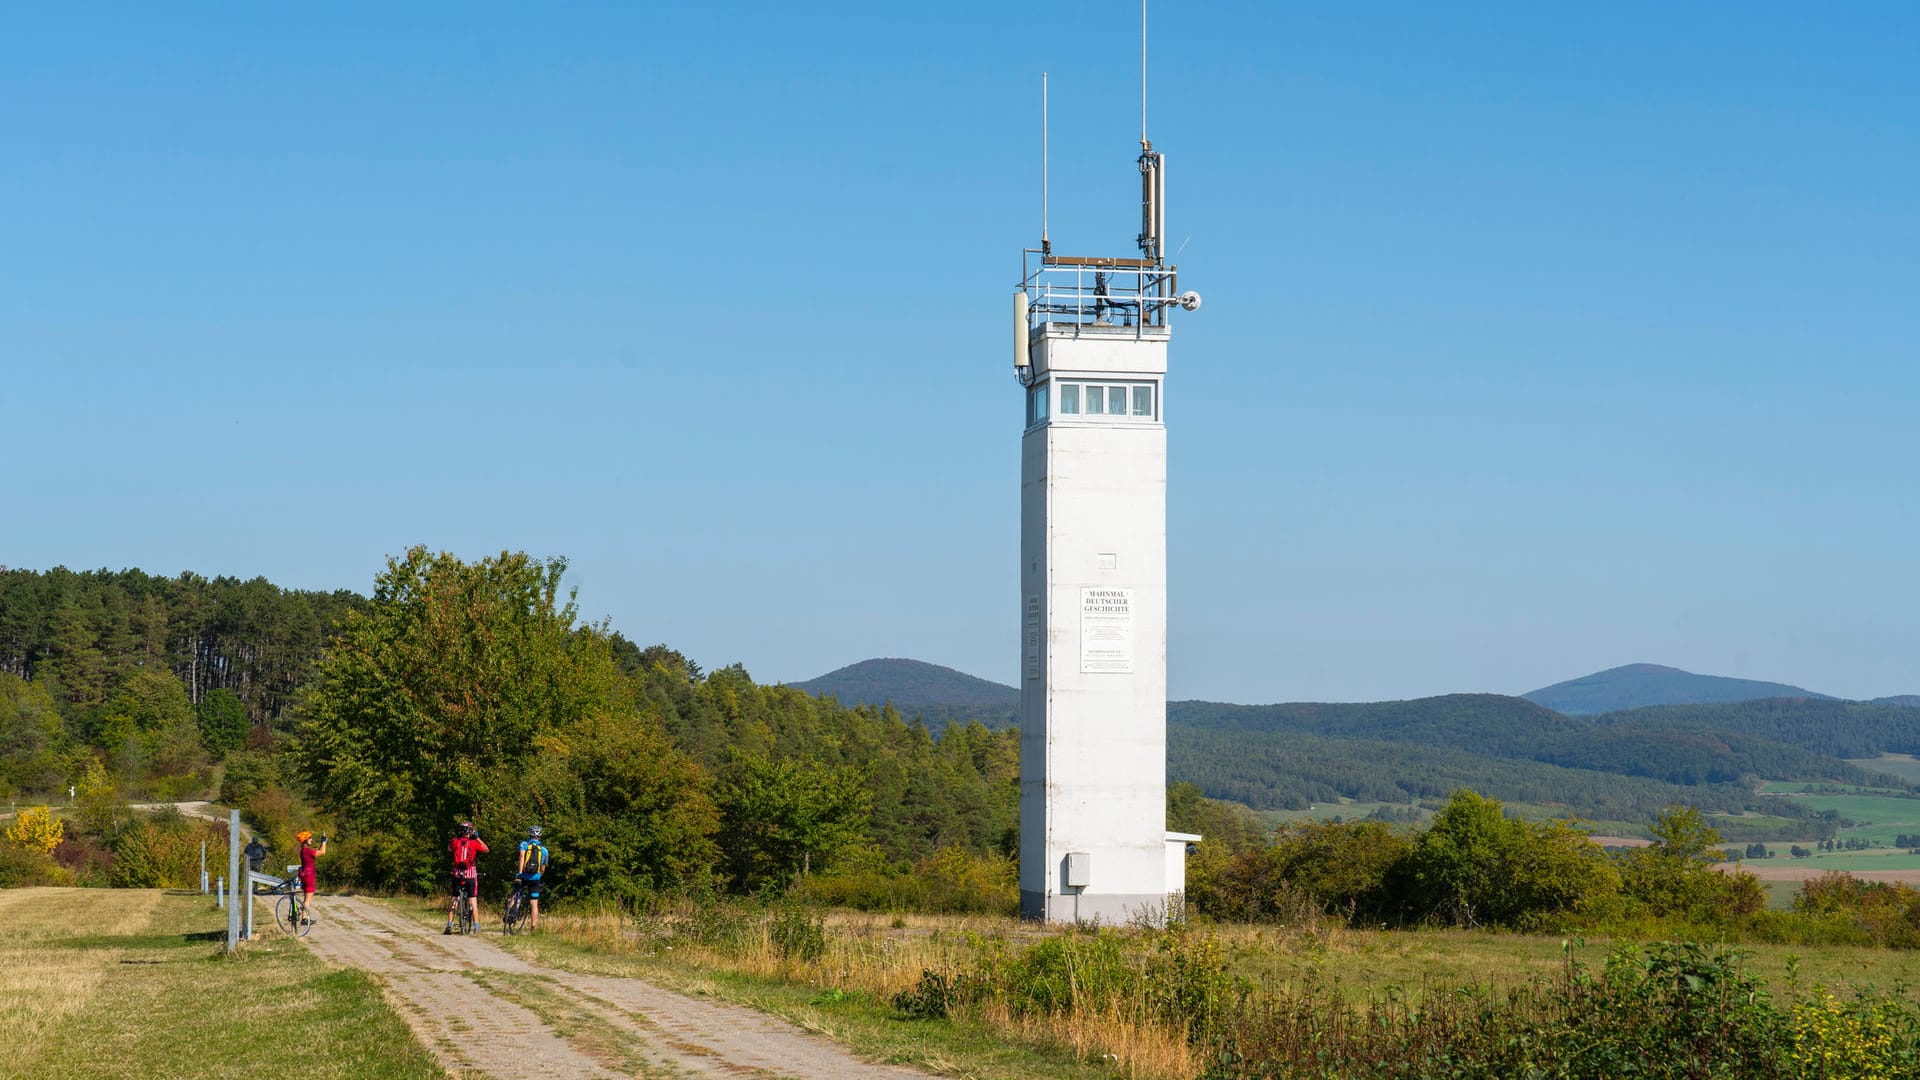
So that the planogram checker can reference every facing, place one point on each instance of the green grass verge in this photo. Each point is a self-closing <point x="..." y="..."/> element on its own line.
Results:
<point x="136" y="983"/>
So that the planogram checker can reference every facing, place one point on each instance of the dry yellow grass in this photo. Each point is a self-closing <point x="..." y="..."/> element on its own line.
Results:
<point x="41" y="984"/>
<point x="1129" y="1048"/>
<point x="883" y="955"/>
<point x="28" y="915"/>
<point x="132" y="983"/>
<point x="39" y="988"/>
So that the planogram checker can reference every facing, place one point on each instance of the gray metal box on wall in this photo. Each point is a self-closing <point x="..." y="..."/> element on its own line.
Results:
<point x="1079" y="869"/>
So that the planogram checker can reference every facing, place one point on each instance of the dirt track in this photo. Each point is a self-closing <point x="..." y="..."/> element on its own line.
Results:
<point x="485" y="1012"/>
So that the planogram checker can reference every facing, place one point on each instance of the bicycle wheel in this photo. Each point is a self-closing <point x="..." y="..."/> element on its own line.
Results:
<point x="466" y="917"/>
<point x="510" y="916"/>
<point x="286" y="912"/>
<point x="302" y="924"/>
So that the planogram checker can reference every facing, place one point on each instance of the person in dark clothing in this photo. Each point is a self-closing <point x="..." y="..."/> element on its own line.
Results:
<point x="256" y="853"/>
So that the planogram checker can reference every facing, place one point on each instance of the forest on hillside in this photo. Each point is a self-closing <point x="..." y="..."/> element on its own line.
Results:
<point x="358" y="713"/>
<point x="1617" y="766"/>
<point x="79" y="634"/>
<point x="467" y="690"/>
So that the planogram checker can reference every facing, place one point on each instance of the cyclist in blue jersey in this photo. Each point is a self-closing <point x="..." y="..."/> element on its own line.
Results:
<point x="533" y="864"/>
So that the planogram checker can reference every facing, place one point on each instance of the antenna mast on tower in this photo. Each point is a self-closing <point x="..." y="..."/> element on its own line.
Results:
<point x="1046" y="245"/>
<point x="1153" y="172"/>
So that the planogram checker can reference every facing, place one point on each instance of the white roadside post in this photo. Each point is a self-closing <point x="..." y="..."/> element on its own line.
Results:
<point x="233" y="880"/>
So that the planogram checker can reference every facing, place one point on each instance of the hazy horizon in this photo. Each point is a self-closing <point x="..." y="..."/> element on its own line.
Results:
<point x="1009" y="683"/>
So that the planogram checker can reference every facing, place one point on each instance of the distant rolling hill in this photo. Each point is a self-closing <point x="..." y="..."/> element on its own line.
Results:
<point x="1638" y="685"/>
<point x="1622" y="765"/>
<point x="1685" y="745"/>
<point x="1910" y="700"/>
<point x="935" y="693"/>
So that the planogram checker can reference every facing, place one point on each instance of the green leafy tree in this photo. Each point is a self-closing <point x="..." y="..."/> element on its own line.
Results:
<point x="248" y="773"/>
<point x="1676" y="877"/>
<point x="31" y="737"/>
<point x="77" y="662"/>
<point x="1475" y="865"/>
<point x="433" y="702"/>
<point x="1226" y="827"/>
<point x="98" y="805"/>
<point x="627" y="814"/>
<point x="148" y="727"/>
<point x="1342" y="868"/>
<point x="223" y="722"/>
<point x="780" y="818"/>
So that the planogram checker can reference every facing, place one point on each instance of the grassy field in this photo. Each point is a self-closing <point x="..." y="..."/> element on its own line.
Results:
<point x="867" y="959"/>
<point x="135" y="983"/>
<point x="843" y="995"/>
<point x="1865" y="806"/>
<point x="1358" y="963"/>
<point x="1850" y="861"/>
<point x="1795" y="787"/>
<point x="1879" y="817"/>
<point x="1904" y="766"/>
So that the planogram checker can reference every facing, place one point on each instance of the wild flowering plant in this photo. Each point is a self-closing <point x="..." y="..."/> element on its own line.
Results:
<point x="1851" y="1040"/>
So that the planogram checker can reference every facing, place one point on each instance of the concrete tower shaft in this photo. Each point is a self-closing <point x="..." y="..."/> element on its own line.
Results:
<point x="1093" y="841"/>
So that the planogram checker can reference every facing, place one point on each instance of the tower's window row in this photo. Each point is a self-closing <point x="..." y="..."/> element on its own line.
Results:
<point x="1103" y="399"/>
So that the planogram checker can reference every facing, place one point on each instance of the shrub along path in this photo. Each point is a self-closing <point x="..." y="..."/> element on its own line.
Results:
<point x="485" y="1011"/>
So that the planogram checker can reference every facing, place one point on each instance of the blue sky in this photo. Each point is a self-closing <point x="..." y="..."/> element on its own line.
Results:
<point x="1536" y="340"/>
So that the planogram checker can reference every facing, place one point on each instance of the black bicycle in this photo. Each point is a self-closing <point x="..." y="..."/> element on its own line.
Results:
<point x="290" y="910"/>
<point x="465" y="896"/>
<point x="514" y="915"/>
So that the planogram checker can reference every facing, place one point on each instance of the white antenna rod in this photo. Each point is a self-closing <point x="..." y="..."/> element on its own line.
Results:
<point x="1044" y="245"/>
<point x="1143" y="74"/>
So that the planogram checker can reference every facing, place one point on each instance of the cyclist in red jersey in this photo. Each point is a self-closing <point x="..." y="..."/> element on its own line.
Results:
<point x="466" y="847"/>
<point x="308" y="853"/>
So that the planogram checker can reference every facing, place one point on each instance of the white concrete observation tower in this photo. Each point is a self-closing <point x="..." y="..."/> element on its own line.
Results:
<point x="1091" y="352"/>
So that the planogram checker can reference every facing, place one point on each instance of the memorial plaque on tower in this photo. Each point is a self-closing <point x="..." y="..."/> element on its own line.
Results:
<point x="1106" y="631"/>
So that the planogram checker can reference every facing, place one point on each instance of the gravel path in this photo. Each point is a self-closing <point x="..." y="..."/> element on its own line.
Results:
<point x="199" y="809"/>
<point x="486" y="1012"/>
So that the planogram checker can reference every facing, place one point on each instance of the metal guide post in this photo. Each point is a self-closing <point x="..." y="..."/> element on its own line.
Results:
<point x="233" y="880"/>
